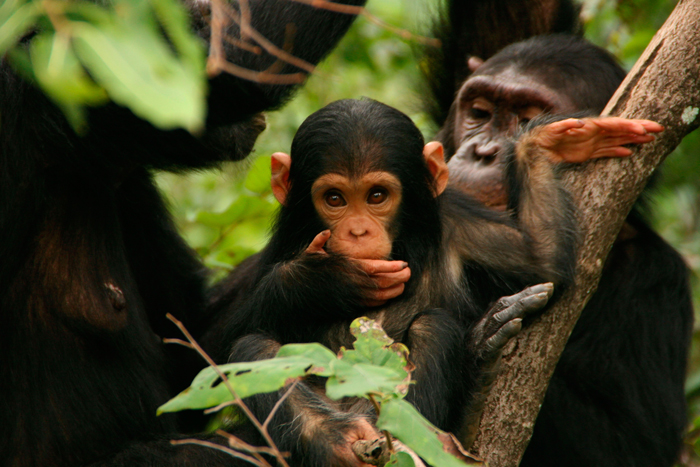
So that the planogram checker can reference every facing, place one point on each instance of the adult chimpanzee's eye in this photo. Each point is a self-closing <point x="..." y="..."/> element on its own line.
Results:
<point x="479" y="114"/>
<point x="377" y="196"/>
<point x="334" y="199"/>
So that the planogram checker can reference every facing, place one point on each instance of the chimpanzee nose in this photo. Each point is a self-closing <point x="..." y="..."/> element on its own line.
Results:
<point x="358" y="231"/>
<point x="487" y="152"/>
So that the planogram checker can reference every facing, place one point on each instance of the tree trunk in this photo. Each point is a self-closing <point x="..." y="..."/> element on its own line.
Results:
<point x="663" y="86"/>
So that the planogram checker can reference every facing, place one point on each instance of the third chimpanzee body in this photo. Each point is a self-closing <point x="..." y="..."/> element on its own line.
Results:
<point x="368" y="227"/>
<point x="616" y="397"/>
<point x="91" y="261"/>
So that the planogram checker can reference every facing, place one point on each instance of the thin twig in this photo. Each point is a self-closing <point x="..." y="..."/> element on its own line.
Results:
<point x="245" y="19"/>
<point x="278" y="404"/>
<point x="219" y="407"/>
<point x="237" y="443"/>
<point x="243" y="45"/>
<point x="224" y="378"/>
<point x="261" y="76"/>
<point x="362" y="11"/>
<point x="387" y="435"/>
<point x="221" y="448"/>
<point x="288" y="45"/>
<point x="240" y="445"/>
<point x="178" y="342"/>
<point x="216" y="49"/>
<point x="269" y="47"/>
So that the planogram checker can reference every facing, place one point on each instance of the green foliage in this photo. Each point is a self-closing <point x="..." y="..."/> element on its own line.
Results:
<point x="225" y="219"/>
<point x="403" y="421"/>
<point x="376" y="368"/>
<point x="86" y="54"/>
<point x="400" y="459"/>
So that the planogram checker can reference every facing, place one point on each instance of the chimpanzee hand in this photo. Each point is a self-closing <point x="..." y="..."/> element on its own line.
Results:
<point x="343" y="452"/>
<point x="503" y="320"/>
<point x="389" y="277"/>
<point x="578" y="140"/>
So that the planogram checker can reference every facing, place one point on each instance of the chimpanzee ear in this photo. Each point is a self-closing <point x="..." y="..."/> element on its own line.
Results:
<point x="434" y="157"/>
<point x="279" y="181"/>
<point x="474" y="63"/>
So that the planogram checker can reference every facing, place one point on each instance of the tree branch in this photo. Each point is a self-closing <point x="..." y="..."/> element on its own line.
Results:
<point x="662" y="86"/>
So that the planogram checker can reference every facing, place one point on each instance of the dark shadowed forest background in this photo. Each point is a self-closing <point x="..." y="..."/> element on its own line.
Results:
<point x="226" y="216"/>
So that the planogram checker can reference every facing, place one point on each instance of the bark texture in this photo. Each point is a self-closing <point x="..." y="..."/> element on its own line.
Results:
<point x="663" y="86"/>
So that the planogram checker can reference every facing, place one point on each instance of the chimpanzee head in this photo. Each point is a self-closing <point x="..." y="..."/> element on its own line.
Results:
<point x="557" y="74"/>
<point x="361" y="169"/>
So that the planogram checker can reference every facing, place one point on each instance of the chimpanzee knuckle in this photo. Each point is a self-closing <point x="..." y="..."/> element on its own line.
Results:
<point x="500" y="339"/>
<point x="512" y="312"/>
<point x="501" y="304"/>
<point x="534" y="302"/>
<point x="370" y="267"/>
<point x="384" y="282"/>
<point x="539" y="288"/>
<point x="509" y="330"/>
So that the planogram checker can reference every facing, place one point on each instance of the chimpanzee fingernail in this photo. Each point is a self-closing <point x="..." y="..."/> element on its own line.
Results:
<point x="404" y="265"/>
<point x="581" y="122"/>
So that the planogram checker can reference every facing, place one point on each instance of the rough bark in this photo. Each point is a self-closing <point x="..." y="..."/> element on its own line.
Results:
<point x="663" y="86"/>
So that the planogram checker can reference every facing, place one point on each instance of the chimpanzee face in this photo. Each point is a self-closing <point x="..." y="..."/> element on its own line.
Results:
<point x="359" y="211"/>
<point x="490" y="108"/>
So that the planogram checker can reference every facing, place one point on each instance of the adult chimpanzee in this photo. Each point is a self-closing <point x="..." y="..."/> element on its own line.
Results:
<point x="616" y="397"/>
<point x="91" y="261"/>
<point x="368" y="227"/>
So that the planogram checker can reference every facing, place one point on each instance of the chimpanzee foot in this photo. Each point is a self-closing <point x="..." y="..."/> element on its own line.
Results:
<point x="503" y="320"/>
<point x="499" y="325"/>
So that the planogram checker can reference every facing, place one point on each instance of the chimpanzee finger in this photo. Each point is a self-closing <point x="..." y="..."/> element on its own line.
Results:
<point x="517" y="310"/>
<point x="505" y="302"/>
<point x="562" y="126"/>
<point x="376" y="266"/>
<point x="319" y="241"/>
<point x="389" y="279"/>
<point x="379" y="296"/>
<point x="611" y="152"/>
<point x="505" y="333"/>
<point x="621" y="140"/>
<point x="620" y="125"/>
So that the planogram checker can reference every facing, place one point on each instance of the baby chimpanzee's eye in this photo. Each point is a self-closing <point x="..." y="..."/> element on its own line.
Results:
<point x="334" y="199"/>
<point x="377" y="195"/>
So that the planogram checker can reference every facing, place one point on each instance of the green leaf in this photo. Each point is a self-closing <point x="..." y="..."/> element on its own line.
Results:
<point x="246" y="378"/>
<point x="403" y="421"/>
<point x="139" y="71"/>
<point x="320" y="356"/>
<point x="400" y="459"/>
<point x="359" y="379"/>
<point x="258" y="178"/>
<point x="243" y="208"/>
<point x="63" y="79"/>
<point x="176" y="23"/>
<point x="15" y="22"/>
<point x="373" y="347"/>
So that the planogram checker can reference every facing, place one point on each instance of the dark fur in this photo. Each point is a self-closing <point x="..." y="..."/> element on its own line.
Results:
<point x="91" y="262"/>
<point x="462" y="257"/>
<point x="616" y="397"/>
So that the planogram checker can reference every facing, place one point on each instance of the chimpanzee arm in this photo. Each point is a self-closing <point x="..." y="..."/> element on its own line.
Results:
<point x="480" y="28"/>
<point x="535" y="239"/>
<point x="295" y="300"/>
<point x="117" y="140"/>
<point x="304" y="32"/>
